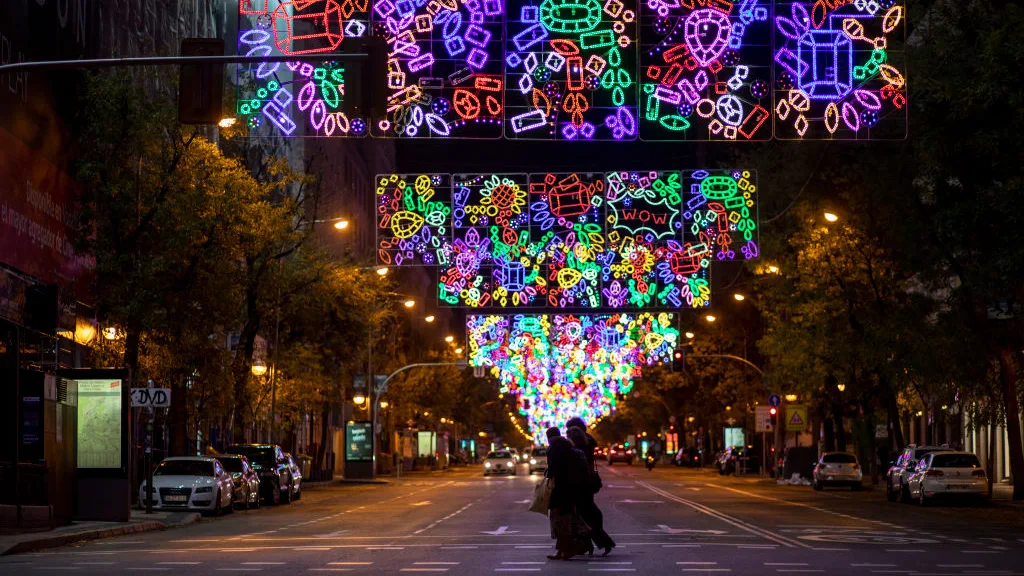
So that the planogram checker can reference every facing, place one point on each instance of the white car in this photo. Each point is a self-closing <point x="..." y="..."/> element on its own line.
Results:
<point x="948" y="474"/>
<point x="538" y="459"/>
<point x="838" y="469"/>
<point x="191" y="483"/>
<point x="500" y="462"/>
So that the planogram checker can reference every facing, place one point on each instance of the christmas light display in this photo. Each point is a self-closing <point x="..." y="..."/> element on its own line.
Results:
<point x="570" y="70"/>
<point x="444" y="67"/>
<point x="722" y="210"/>
<point x="297" y="98"/>
<point x="837" y="70"/>
<point x="561" y="366"/>
<point x="705" y="70"/>
<point x="624" y="240"/>
<point x="413" y="217"/>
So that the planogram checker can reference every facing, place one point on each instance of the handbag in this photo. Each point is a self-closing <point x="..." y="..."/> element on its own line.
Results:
<point x="542" y="496"/>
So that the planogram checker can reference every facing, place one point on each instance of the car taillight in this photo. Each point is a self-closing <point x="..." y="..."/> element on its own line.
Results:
<point x="856" y="466"/>
<point x="613" y="451"/>
<point x="979" y="473"/>
<point x="629" y="451"/>
<point x="934" y="473"/>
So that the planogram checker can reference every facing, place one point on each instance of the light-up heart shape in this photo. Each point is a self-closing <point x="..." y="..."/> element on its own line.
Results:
<point x="706" y="32"/>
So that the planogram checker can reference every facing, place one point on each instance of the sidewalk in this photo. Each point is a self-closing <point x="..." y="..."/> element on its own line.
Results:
<point x="81" y="531"/>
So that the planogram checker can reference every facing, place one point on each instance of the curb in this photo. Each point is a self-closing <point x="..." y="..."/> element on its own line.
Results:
<point x="54" y="541"/>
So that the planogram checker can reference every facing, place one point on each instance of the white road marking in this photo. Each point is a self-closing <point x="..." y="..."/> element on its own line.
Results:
<point x="423" y="503"/>
<point x="696" y="563"/>
<point x="517" y="569"/>
<point x="459" y="547"/>
<point x="180" y="563"/>
<point x="331" y="569"/>
<point x="239" y="569"/>
<point x="979" y="551"/>
<point x="263" y="563"/>
<point x="904" y="550"/>
<point x="785" y="564"/>
<point x="870" y="565"/>
<point x="349" y="563"/>
<point x="94" y="563"/>
<point x="150" y="569"/>
<point x="56" y="567"/>
<point x="424" y="569"/>
<point x="707" y="569"/>
<point x="797" y="570"/>
<point x="385" y="548"/>
<point x="680" y="545"/>
<point x="802" y="505"/>
<point x="436" y="563"/>
<point x="611" y="569"/>
<point x="960" y="565"/>
<point x="529" y="547"/>
<point x="521" y="563"/>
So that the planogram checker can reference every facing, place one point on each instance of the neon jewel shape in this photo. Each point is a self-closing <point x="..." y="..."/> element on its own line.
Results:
<point x="570" y="70"/>
<point x="705" y="70"/>
<point x="626" y="240"/>
<point x="561" y="366"/>
<point x="837" y="70"/>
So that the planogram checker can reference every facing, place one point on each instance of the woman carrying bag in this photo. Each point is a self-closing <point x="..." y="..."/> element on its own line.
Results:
<point x="569" y="484"/>
<point x="587" y="508"/>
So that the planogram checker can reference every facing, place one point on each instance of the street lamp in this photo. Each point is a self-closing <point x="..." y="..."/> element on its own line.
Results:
<point x="841" y="387"/>
<point x="409" y="303"/>
<point x="791" y="397"/>
<point x="458" y="350"/>
<point x="710" y="318"/>
<point x="226" y="122"/>
<point x="259" y="368"/>
<point x="359" y="399"/>
<point x="429" y="318"/>
<point x="382" y="271"/>
<point x="739" y="297"/>
<point x="689" y="335"/>
<point x="341" y="224"/>
<point x="831" y="217"/>
<point x="772" y="268"/>
<point x="449" y="339"/>
<point x="110" y="332"/>
<point x="384" y="404"/>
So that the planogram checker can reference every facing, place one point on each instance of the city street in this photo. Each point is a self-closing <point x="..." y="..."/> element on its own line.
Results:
<point x="666" y="521"/>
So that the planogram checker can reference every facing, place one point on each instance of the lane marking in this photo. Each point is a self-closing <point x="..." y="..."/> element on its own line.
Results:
<point x="979" y="551"/>
<point x="707" y="569"/>
<point x="786" y="564"/>
<point x="94" y="563"/>
<point x="331" y="569"/>
<point x="960" y="565"/>
<point x="521" y="563"/>
<point x="424" y="569"/>
<point x="517" y="569"/>
<point x="459" y="547"/>
<point x="904" y="550"/>
<point x="453" y="514"/>
<point x="436" y="563"/>
<point x="871" y="565"/>
<point x="263" y="563"/>
<point x="745" y="526"/>
<point x="180" y="563"/>
<point x="56" y="567"/>
<point x="802" y="505"/>
<point x="349" y="563"/>
<point x="611" y="569"/>
<point x="797" y="570"/>
<point x="696" y="563"/>
<point x="239" y="569"/>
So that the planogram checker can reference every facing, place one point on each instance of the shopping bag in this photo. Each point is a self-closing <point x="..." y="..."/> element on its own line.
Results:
<point x="542" y="496"/>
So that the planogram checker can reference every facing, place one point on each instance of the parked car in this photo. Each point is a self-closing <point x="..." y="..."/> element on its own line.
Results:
<point x="956" y="474"/>
<point x="246" y="480"/>
<point x="900" y="470"/>
<point x="538" y="460"/>
<point x="191" y="483"/>
<point x="268" y="460"/>
<point x="619" y="453"/>
<point x="296" y="472"/>
<point x="500" y="462"/>
<point x="727" y="461"/>
<point x="838" y="468"/>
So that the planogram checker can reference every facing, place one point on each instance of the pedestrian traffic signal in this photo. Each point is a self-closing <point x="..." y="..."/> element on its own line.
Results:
<point x="679" y="361"/>
<point x="773" y="412"/>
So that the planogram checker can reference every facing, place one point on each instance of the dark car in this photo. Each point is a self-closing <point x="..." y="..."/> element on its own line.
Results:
<point x="245" y="479"/>
<point x="270" y="462"/>
<point x="619" y="453"/>
<point x="737" y="459"/>
<point x="897" y="479"/>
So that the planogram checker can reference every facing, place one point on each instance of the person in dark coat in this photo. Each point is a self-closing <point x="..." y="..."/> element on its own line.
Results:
<point x="570" y="482"/>
<point x="588" y="509"/>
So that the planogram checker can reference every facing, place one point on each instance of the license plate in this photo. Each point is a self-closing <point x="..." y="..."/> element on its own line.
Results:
<point x="176" y="498"/>
<point x="957" y="487"/>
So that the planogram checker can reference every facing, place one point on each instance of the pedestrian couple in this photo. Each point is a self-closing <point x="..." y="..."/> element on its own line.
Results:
<point x="576" y="522"/>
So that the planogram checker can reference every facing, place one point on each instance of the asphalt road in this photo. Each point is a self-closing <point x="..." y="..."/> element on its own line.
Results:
<point x="669" y="521"/>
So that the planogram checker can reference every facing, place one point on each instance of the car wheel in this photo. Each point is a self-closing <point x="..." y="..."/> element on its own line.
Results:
<point x="904" y="493"/>
<point x="286" y="494"/>
<point x="216" y="505"/>
<point x="890" y="494"/>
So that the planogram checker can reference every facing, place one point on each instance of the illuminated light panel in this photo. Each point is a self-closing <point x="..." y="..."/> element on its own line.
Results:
<point x="445" y="68"/>
<point x="570" y="70"/>
<point x="839" y="70"/>
<point x="625" y="240"/>
<point x="721" y="208"/>
<point x="716" y="52"/>
<point x="561" y="366"/>
<point x="290" y="99"/>
<point x="413" y="218"/>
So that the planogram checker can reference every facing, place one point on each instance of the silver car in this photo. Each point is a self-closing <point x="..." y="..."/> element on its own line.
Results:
<point x="191" y="483"/>
<point x="500" y="462"/>
<point x="838" y="469"/>
<point x="896" y="478"/>
<point x="246" y="480"/>
<point x="538" y="460"/>
<point x="950" y="473"/>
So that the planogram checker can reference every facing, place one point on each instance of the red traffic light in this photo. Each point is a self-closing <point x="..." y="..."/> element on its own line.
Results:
<point x="773" y="411"/>
<point x="679" y="355"/>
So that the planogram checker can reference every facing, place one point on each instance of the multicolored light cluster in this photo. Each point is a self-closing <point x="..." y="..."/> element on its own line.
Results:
<point x="561" y="366"/>
<point x="569" y="240"/>
<point x="660" y="70"/>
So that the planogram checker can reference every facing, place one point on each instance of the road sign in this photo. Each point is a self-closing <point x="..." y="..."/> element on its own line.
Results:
<point x="151" y="397"/>
<point x="763" y="419"/>
<point x="672" y="419"/>
<point x="380" y="383"/>
<point x="796" y="417"/>
<point x="359" y="382"/>
<point x="478" y="372"/>
<point x="774" y="400"/>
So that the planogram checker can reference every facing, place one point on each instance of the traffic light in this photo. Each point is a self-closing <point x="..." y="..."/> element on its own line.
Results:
<point x="773" y="413"/>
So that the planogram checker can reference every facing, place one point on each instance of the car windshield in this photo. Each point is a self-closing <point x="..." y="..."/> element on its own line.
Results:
<point x="839" y="459"/>
<point x="184" y="468"/>
<point x="264" y="456"/>
<point x="232" y="464"/>
<point x="539" y="452"/>
<point x="499" y="455"/>
<point x="955" y="461"/>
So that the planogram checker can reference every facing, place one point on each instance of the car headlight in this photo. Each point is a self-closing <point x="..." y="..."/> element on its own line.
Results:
<point x="487" y="464"/>
<point x="532" y="461"/>
<point x="204" y="489"/>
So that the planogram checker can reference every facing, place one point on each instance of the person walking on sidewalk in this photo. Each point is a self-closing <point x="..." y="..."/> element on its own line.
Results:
<point x="588" y="508"/>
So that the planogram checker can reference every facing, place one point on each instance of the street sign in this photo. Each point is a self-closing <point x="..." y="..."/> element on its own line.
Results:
<point x="478" y="372"/>
<point x="151" y="397"/>
<point x="380" y="383"/>
<point x="774" y="400"/>
<point x="796" y="417"/>
<point x="672" y="419"/>
<point x="359" y="382"/>
<point x="763" y="419"/>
